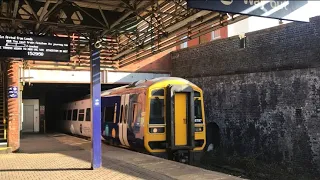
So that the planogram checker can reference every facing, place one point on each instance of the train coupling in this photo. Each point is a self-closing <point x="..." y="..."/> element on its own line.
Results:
<point x="181" y="156"/>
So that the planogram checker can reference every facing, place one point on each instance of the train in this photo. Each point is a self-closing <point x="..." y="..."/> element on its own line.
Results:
<point x="163" y="117"/>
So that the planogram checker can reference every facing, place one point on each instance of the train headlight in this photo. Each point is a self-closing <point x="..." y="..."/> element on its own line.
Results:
<point x="198" y="129"/>
<point x="156" y="130"/>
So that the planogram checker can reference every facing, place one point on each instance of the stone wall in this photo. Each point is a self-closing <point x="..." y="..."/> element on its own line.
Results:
<point x="265" y="98"/>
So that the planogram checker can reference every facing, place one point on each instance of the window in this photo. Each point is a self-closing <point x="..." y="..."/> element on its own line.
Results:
<point x="196" y="94"/>
<point x="88" y="114"/>
<point x="185" y="44"/>
<point x="115" y="113"/>
<point x="156" y="111"/>
<point x="134" y="113"/>
<point x="197" y="109"/>
<point x="215" y="34"/>
<point x="108" y="114"/>
<point x="75" y="115"/>
<point x="81" y="115"/>
<point x="121" y="111"/>
<point x="125" y="113"/>
<point x="69" y="115"/>
<point x="64" y="115"/>
<point x="157" y="92"/>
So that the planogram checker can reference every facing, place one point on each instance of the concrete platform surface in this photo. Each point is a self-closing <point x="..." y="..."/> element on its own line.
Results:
<point x="60" y="156"/>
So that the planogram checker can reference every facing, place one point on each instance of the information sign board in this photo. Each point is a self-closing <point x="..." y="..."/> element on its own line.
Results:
<point x="31" y="47"/>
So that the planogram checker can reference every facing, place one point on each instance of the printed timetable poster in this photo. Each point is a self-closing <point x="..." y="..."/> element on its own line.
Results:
<point x="32" y="47"/>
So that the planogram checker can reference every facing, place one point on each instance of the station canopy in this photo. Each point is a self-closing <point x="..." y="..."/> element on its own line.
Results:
<point x="126" y="30"/>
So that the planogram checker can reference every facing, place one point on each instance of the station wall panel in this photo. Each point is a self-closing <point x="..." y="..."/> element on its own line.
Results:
<point x="107" y="77"/>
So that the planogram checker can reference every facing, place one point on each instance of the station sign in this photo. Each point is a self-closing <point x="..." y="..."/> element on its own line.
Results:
<point x="13" y="92"/>
<point x="32" y="47"/>
<point x="277" y="9"/>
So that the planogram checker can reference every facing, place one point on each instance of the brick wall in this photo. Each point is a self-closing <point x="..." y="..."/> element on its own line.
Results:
<point x="13" y="109"/>
<point x="158" y="63"/>
<point x="265" y="98"/>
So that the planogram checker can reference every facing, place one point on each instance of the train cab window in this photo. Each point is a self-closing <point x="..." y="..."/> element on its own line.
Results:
<point x="81" y="114"/>
<point x="156" y="111"/>
<point x="157" y="92"/>
<point x="74" y="115"/>
<point x="196" y="94"/>
<point x="88" y="114"/>
<point x="108" y="114"/>
<point x="69" y="115"/>
<point x="197" y="109"/>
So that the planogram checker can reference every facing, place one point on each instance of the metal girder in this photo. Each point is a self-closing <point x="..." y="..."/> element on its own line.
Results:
<point x="45" y="7"/>
<point x="32" y="11"/>
<point x="139" y="7"/>
<point x="127" y="29"/>
<point x="169" y="29"/>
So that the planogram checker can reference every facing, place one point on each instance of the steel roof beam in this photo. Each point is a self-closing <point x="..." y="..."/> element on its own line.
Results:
<point x="45" y="7"/>
<point x="169" y="30"/>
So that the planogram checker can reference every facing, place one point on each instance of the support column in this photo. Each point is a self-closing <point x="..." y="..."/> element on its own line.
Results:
<point x="95" y="88"/>
<point x="13" y="108"/>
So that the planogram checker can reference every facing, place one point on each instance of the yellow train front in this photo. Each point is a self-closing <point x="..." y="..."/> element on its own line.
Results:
<point x="162" y="116"/>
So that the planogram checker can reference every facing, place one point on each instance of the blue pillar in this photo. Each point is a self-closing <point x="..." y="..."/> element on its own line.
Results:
<point x="95" y="88"/>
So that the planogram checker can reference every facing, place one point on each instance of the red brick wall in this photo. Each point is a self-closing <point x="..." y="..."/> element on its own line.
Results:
<point x="224" y="32"/>
<point x="206" y="38"/>
<point x="13" y="109"/>
<point x="160" y="62"/>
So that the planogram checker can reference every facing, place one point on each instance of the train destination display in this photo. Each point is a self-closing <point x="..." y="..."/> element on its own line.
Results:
<point x="31" y="47"/>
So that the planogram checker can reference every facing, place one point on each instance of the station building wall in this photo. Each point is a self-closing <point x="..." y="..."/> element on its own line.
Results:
<point x="265" y="97"/>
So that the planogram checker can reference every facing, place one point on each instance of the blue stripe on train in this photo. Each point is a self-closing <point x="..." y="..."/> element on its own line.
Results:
<point x="107" y="127"/>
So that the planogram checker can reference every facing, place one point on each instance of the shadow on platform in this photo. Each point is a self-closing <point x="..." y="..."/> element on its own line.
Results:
<point x="78" y="148"/>
<point x="58" y="169"/>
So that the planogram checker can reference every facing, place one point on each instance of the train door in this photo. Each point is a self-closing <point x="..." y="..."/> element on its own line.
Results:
<point x="180" y="117"/>
<point x="123" y="121"/>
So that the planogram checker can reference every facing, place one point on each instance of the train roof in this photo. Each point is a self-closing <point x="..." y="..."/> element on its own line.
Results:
<point x="140" y="84"/>
<point x="143" y="84"/>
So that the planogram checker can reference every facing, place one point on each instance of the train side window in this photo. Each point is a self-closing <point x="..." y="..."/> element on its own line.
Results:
<point x="156" y="111"/>
<point x="109" y="114"/>
<point x="64" y="115"/>
<point x="81" y="114"/>
<point x="115" y="113"/>
<point x="88" y="114"/>
<point x="125" y="113"/>
<point x="134" y="112"/>
<point x="121" y="111"/>
<point x="74" y="115"/>
<point x="69" y="115"/>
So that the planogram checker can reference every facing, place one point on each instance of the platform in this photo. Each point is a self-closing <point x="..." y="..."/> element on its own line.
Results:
<point x="61" y="156"/>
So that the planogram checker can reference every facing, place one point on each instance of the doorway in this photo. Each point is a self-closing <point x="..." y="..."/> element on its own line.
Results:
<point x="30" y="121"/>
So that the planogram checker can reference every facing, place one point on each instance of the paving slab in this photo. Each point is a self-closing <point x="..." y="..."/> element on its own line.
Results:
<point x="61" y="156"/>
